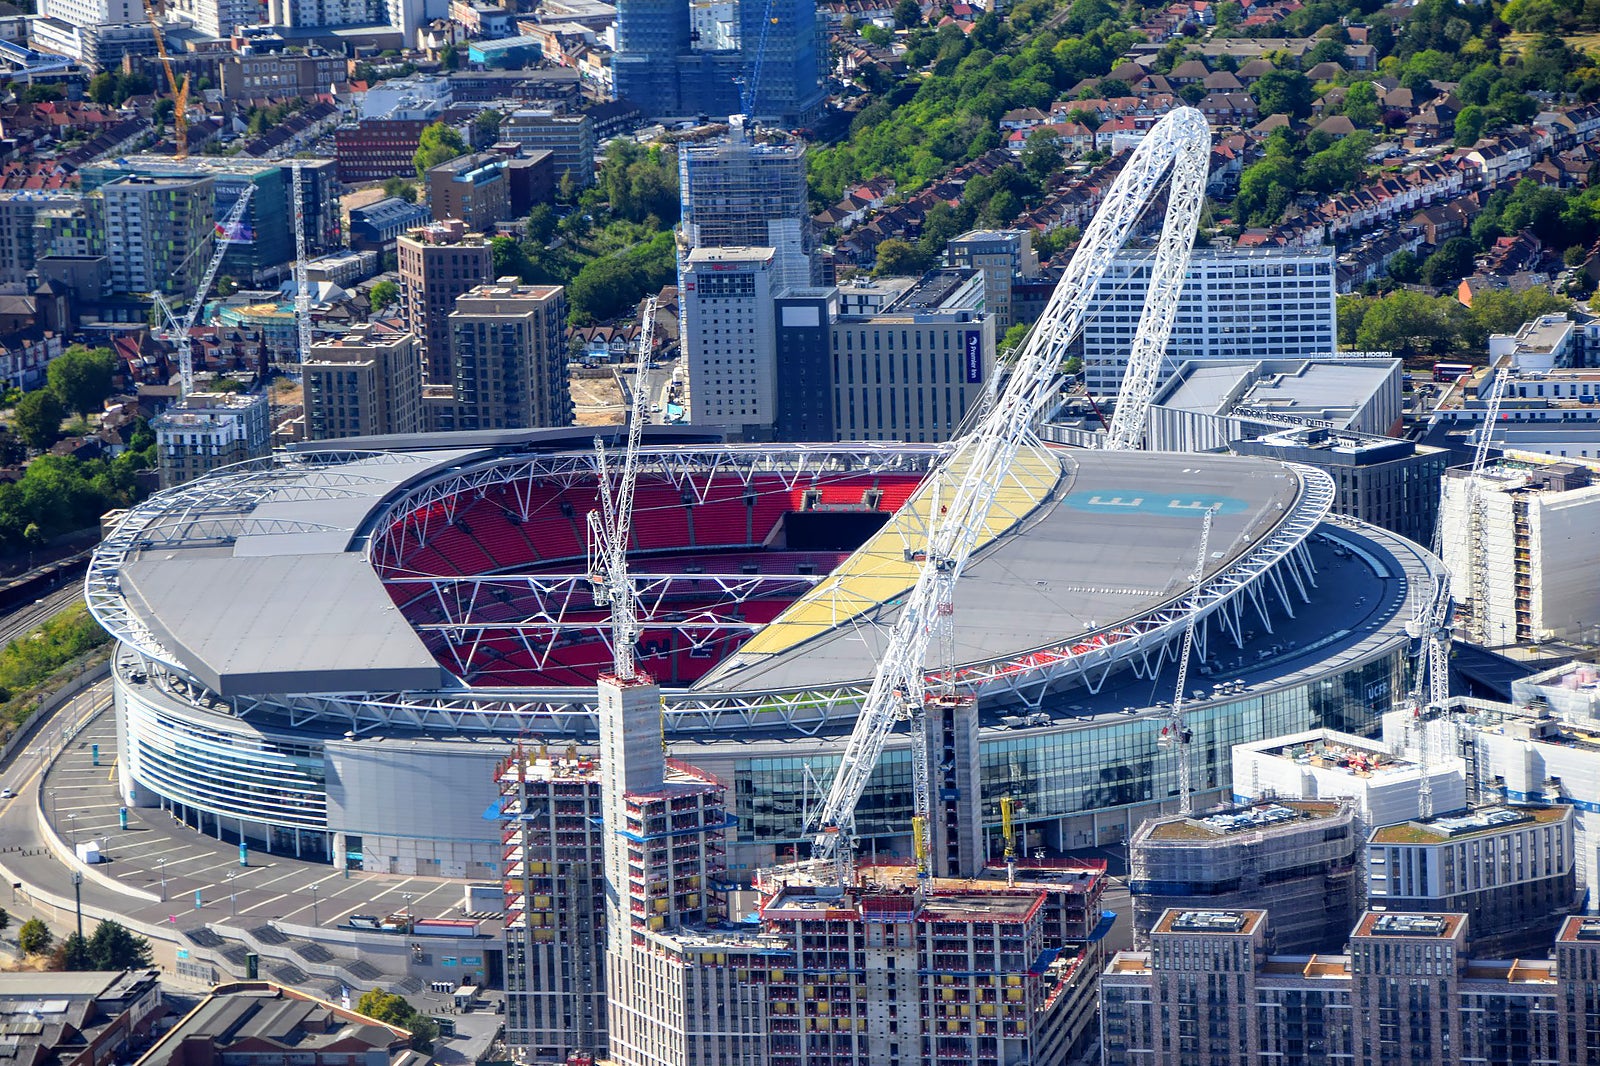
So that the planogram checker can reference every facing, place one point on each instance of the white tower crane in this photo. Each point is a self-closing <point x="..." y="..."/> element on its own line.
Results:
<point x="230" y="226"/>
<point x="1176" y="732"/>
<point x="1477" y="503"/>
<point x="611" y="526"/>
<point x="302" y="287"/>
<point x="964" y="486"/>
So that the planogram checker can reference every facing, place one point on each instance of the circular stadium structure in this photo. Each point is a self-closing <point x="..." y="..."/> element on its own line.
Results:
<point x="326" y="653"/>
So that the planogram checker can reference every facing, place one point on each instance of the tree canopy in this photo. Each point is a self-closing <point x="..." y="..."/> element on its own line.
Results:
<point x="439" y="143"/>
<point x="81" y="377"/>
<point x="396" y="1010"/>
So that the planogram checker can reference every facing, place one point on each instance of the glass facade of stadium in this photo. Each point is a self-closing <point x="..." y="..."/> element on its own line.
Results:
<point x="415" y="804"/>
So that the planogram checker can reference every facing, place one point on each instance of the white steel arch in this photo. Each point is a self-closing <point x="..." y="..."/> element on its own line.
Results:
<point x="964" y="487"/>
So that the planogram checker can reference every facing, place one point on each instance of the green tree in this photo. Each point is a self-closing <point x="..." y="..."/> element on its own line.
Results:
<point x="1361" y="104"/>
<point x="907" y="13"/>
<point x="509" y="258"/>
<point x="1449" y="264"/>
<point x="73" y="954"/>
<point x="1283" y="92"/>
<point x="1403" y="267"/>
<point x="1469" y="125"/>
<point x="1409" y="323"/>
<point x="34" y="938"/>
<point x="486" y="126"/>
<point x="897" y="258"/>
<point x="113" y="947"/>
<point x="541" y="224"/>
<point x="450" y="57"/>
<point x="383" y="294"/>
<point x="392" y="1009"/>
<point x="37" y="418"/>
<point x="1042" y="155"/>
<point x="81" y="378"/>
<point x="1504" y="311"/>
<point x="439" y="143"/>
<point x="401" y="188"/>
<point x="40" y="93"/>
<point x="103" y="88"/>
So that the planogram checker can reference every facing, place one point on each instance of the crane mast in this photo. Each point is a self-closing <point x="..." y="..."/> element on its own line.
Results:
<point x="180" y="93"/>
<point x="229" y="226"/>
<point x="302" y="287"/>
<point x="964" y="486"/>
<point x="1477" y="502"/>
<point x="611" y="526"/>
<point x="1176" y="731"/>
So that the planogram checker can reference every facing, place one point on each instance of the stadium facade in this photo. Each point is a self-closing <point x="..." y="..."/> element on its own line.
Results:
<point x="327" y="653"/>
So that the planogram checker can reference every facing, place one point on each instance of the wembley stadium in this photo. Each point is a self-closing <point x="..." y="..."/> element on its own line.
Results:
<point x="326" y="653"/>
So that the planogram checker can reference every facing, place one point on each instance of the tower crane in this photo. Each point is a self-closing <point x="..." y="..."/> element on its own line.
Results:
<point x="1477" y="501"/>
<point x="963" y="488"/>
<point x="180" y="92"/>
<point x="1176" y="732"/>
<point x="1008" y="833"/>
<point x="302" y="287"/>
<point x="228" y="227"/>
<point x="611" y="526"/>
<point x="749" y="84"/>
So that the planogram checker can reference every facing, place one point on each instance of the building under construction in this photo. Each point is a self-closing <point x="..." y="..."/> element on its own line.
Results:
<point x="884" y="966"/>
<point x="1295" y="858"/>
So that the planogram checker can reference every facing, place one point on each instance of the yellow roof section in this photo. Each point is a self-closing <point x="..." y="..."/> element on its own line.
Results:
<point x="879" y="570"/>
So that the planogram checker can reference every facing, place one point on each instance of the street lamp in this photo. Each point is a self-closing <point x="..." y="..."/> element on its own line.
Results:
<point x="77" y="893"/>
<point x="72" y="818"/>
<point x="314" y="887"/>
<point x="161" y="867"/>
<point x="233" y="897"/>
<point x="405" y="898"/>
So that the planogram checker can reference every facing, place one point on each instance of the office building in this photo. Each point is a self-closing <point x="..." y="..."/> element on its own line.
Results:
<point x="205" y="430"/>
<point x="1517" y="539"/>
<point x="158" y="233"/>
<point x="737" y="192"/>
<point x="1324" y="764"/>
<point x="911" y="370"/>
<point x="1236" y="303"/>
<point x="1211" y="991"/>
<point x="366" y="382"/>
<point x="473" y="188"/>
<point x="508" y="357"/>
<point x="675" y="61"/>
<point x="570" y="140"/>
<point x="19" y="243"/>
<point x="725" y="300"/>
<point x="438" y="263"/>
<point x="1004" y="256"/>
<point x="1298" y="858"/>
<point x="1510" y="869"/>
<point x="262" y="250"/>
<point x="530" y="180"/>
<point x="1206" y="406"/>
<point x="1388" y="482"/>
<point x="96" y="32"/>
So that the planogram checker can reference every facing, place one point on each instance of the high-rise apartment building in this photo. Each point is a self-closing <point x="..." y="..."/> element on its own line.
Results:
<point x="1236" y="304"/>
<point x="1517" y="539"/>
<point x="673" y="68"/>
<point x="205" y="430"/>
<point x="1298" y="858"/>
<point x="437" y="264"/>
<point x="19" y="211"/>
<point x="262" y="250"/>
<point x="1212" y="992"/>
<point x="364" y="383"/>
<point x="913" y="369"/>
<point x="158" y="233"/>
<point x="219" y="18"/>
<point x="725" y="296"/>
<point x="737" y="192"/>
<point x="508" y="358"/>
<point x="1511" y="870"/>
<point x="472" y="188"/>
<point x="1004" y="256"/>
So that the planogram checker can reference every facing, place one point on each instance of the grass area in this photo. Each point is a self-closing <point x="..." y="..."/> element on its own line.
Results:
<point x="31" y="664"/>
<point x="1587" y="43"/>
